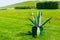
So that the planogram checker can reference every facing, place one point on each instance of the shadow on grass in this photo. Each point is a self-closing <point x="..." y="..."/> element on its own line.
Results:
<point x="24" y="34"/>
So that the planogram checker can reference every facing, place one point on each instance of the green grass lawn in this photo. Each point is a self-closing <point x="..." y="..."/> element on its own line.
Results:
<point x="13" y="24"/>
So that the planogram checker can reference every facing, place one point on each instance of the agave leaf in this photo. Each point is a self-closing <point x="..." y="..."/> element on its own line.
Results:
<point x="35" y="22"/>
<point x="34" y="19"/>
<point x="31" y="20"/>
<point x="45" y="21"/>
<point x="39" y="17"/>
<point x="33" y="16"/>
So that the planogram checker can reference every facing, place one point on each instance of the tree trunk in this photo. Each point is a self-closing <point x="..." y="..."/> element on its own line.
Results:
<point x="34" y="31"/>
<point x="38" y="31"/>
<point x="41" y="30"/>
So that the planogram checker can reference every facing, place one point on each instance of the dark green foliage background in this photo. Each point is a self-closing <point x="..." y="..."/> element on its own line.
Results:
<point x="47" y="5"/>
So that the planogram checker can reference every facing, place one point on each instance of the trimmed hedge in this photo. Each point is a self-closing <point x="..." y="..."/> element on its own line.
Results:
<point x="24" y="7"/>
<point x="47" y="5"/>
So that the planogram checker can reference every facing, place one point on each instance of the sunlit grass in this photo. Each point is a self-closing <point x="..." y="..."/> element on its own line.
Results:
<point x="13" y="24"/>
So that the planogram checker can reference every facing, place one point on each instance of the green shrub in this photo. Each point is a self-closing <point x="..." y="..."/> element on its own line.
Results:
<point x="24" y="7"/>
<point x="47" y="5"/>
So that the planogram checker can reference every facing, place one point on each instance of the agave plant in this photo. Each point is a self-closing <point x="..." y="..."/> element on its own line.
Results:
<point x="38" y="26"/>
